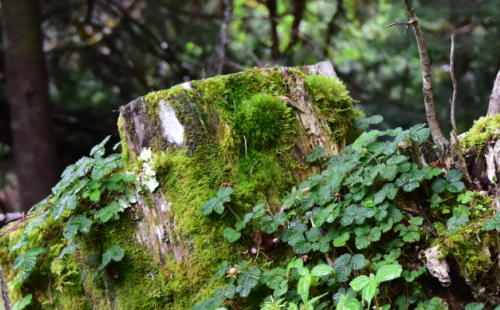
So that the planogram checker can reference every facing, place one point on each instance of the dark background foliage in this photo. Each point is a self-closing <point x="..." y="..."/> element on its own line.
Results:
<point x="102" y="54"/>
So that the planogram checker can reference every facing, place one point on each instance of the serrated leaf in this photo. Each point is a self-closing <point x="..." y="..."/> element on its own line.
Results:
<point x="359" y="283"/>
<point x="303" y="287"/>
<point x="321" y="270"/>
<point x="396" y="160"/>
<point x="248" y="279"/>
<point x="317" y="153"/>
<point x="150" y="183"/>
<point x="455" y="187"/>
<point x="223" y="268"/>
<point x="313" y="234"/>
<point x="365" y="136"/>
<point x="453" y="176"/>
<point x="68" y="249"/>
<point x="107" y="212"/>
<point x="38" y="221"/>
<point x="231" y="235"/>
<point x="358" y="261"/>
<point x="369" y="291"/>
<point x="367" y="236"/>
<point x="388" y="272"/>
<point x="341" y="240"/>
<point x="129" y="177"/>
<point x="115" y="253"/>
<point x="363" y="123"/>
<point x="25" y="240"/>
<point x="420" y="135"/>
<point x="439" y="185"/>
<point x="77" y="223"/>
<point x="27" y="261"/>
<point x="98" y="150"/>
<point x="230" y="292"/>
<point x="21" y="304"/>
<point x="95" y="195"/>
<point x="474" y="306"/>
<point x="389" y="172"/>
<point x="342" y="267"/>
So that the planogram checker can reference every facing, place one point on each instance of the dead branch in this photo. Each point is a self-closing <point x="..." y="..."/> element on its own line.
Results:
<point x="437" y="135"/>
<point x="452" y="74"/>
<point x="218" y="58"/>
<point x="494" y="105"/>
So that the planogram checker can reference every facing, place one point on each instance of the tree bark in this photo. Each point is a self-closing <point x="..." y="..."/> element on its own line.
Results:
<point x="29" y="100"/>
<point x="494" y="105"/>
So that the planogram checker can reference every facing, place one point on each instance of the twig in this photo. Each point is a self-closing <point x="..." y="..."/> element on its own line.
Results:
<point x="452" y="73"/>
<point x="50" y="290"/>
<point x="246" y="148"/>
<point x="437" y="135"/>
<point x="253" y="166"/>
<point x="403" y="23"/>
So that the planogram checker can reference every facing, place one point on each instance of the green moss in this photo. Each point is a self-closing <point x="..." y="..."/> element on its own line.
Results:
<point x="265" y="121"/>
<point x="332" y="99"/>
<point x="481" y="132"/>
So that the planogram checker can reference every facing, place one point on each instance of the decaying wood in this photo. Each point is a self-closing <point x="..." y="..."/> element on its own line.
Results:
<point x="494" y="105"/>
<point x="437" y="267"/>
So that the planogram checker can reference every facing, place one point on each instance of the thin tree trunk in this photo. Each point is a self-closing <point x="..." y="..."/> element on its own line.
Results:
<point x="494" y="106"/>
<point x="29" y="100"/>
<point x="272" y="6"/>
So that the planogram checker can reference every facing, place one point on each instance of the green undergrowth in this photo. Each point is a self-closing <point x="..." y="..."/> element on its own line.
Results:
<point x="77" y="249"/>
<point x="482" y="131"/>
<point x="343" y="239"/>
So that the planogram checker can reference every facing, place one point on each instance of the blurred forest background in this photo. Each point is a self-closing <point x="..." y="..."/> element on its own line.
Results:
<point x="100" y="54"/>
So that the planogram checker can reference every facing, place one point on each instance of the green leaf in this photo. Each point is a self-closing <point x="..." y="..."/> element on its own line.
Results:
<point x="420" y="135"/>
<point x="25" y="240"/>
<point x="95" y="195"/>
<point x="107" y="212"/>
<point x="439" y="185"/>
<point x="317" y="153"/>
<point x="21" y="304"/>
<point x="369" y="290"/>
<point x="359" y="283"/>
<point x="115" y="253"/>
<point x="231" y="235"/>
<point x="365" y="136"/>
<point x="223" y="269"/>
<point x="77" y="223"/>
<point x="366" y="236"/>
<point x="363" y="123"/>
<point x="313" y="234"/>
<point x="247" y="279"/>
<point x="129" y="177"/>
<point x="98" y="150"/>
<point x="37" y="221"/>
<point x="303" y="287"/>
<point x="455" y="187"/>
<point x="27" y="261"/>
<point x="453" y="176"/>
<point x="389" y="172"/>
<point x="341" y="240"/>
<point x="68" y="249"/>
<point x="342" y="267"/>
<point x="388" y="272"/>
<point x="321" y="270"/>
<point x="358" y="261"/>
<point x="474" y="306"/>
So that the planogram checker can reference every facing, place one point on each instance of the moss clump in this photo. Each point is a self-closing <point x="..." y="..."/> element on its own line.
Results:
<point x="482" y="131"/>
<point x="265" y="121"/>
<point x="332" y="99"/>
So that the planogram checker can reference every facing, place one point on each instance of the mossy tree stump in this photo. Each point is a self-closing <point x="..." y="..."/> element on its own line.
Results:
<point x="252" y="129"/>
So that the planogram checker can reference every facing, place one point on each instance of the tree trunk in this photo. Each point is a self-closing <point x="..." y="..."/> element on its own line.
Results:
<point x="494" y="105"/>
<point x="29" y="100"/>
<point x="202" y="134"/>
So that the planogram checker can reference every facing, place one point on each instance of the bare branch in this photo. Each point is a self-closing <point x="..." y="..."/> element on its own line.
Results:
<point x="452" y="73"/>
<point x="494" y="105"/>
<point x="437" y="135"/>
<point x="407" y="24"/>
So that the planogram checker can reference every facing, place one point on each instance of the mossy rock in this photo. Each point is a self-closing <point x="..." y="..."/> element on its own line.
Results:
<point x="254" y="127"/>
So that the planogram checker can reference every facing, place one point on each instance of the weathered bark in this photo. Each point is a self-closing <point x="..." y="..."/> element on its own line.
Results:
<point x="29" y="100"/>
<point x="494" y="105"/>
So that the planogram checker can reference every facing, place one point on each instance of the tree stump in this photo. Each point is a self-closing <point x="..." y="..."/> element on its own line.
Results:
<point x="250" y="130"/>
